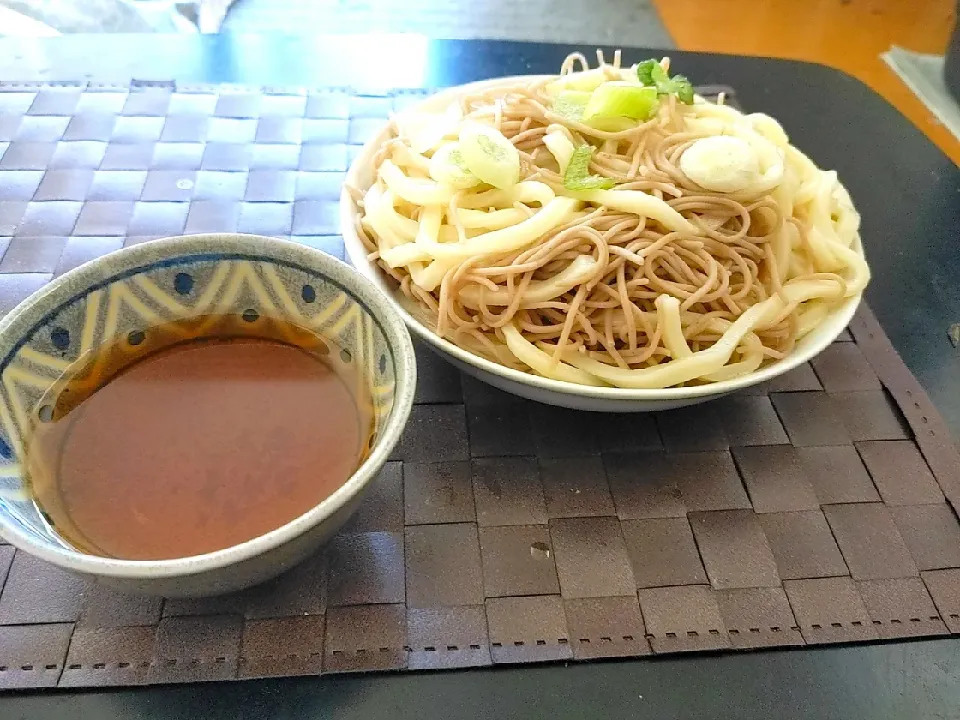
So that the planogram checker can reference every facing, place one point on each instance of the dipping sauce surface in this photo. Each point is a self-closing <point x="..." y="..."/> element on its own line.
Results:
<point x="198" y="447"/>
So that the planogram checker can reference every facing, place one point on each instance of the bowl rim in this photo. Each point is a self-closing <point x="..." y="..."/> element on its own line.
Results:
<point x="371" y="300"/>
<point x="836" y="321"/>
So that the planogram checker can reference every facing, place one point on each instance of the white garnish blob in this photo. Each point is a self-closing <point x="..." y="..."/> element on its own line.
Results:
<point x="721" y="163"/>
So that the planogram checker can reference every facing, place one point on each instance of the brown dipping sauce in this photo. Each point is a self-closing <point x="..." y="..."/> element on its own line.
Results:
<point x="198" y="446"/>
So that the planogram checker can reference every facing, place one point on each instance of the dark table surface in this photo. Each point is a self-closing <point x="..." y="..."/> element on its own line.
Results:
<point x="909" y="195"/>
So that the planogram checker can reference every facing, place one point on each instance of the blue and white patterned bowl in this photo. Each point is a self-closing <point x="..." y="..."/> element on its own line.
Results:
<point x="118" y="296"/>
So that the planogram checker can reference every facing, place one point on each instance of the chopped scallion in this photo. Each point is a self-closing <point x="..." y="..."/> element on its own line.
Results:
<point x="486" y="153"/>
<point x="577" y="175"/>
<point x="621" y="99"/>
<point x="570" y="104"/>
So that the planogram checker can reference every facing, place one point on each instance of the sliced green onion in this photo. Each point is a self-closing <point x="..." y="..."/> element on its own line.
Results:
<point x="577" y="175"/>
<point x="621" y="99"/>
<point x="571" y="104"/>
<point x="614" y="124"/>
<point x="447" y="166"/>
<point x="489" y="155"/>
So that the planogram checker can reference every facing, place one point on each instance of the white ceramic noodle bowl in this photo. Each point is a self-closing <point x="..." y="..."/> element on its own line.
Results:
<point x="535" y="387"/>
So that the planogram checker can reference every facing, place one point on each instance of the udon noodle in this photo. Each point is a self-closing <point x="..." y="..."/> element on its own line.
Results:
<point x="675" y="261"/>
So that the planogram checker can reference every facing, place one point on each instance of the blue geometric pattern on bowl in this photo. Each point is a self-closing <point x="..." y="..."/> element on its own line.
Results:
<point x="122" y="307"/>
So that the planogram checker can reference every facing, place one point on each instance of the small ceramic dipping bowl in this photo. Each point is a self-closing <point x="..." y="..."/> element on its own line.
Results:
<point x="123" y="294"/>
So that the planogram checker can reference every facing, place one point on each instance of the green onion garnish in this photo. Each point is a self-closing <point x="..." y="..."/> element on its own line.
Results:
<point x="651" y="73"/>
<point x="570" y="104"/>
<point x="621" y="99"/>
<point x="578" y="177"/>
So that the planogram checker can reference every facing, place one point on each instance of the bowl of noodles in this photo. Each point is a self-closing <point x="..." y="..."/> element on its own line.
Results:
<point x="604" y="239"/>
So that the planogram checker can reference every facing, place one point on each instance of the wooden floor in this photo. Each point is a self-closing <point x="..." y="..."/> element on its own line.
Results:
<point x="846" y="34"/>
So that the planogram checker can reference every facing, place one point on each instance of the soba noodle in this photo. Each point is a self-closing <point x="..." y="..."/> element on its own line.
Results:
<point x="662" y="280"/>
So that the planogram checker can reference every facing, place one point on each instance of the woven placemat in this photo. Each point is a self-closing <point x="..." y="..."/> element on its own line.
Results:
<point x="816" y="509"/>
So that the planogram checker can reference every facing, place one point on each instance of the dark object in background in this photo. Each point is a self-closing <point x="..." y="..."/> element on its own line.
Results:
<point x="951" y="67"/>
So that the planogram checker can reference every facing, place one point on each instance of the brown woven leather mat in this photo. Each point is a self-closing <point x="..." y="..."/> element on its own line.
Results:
<point x="814" y="510"/>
